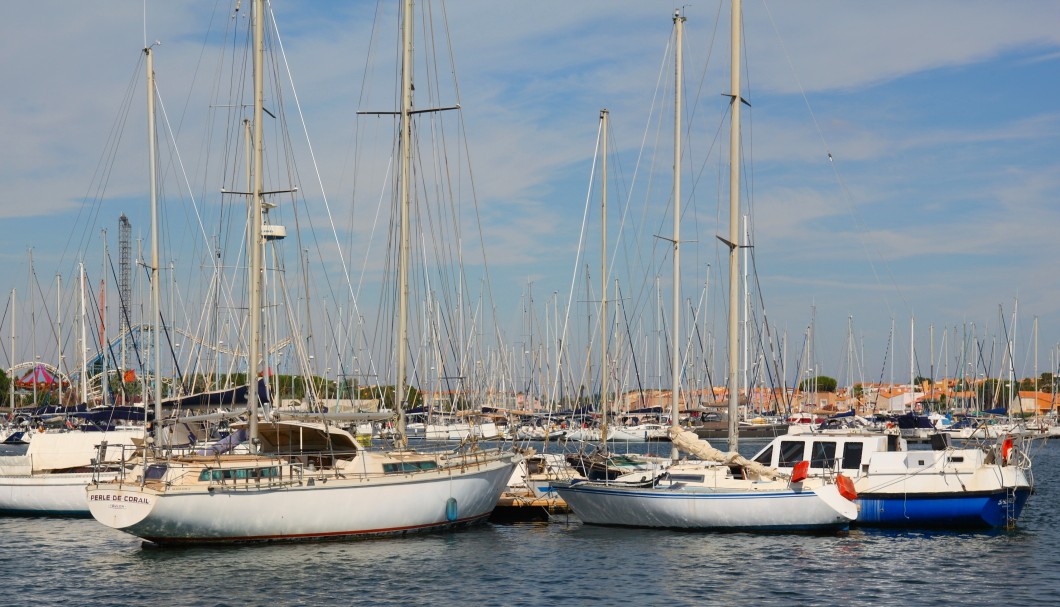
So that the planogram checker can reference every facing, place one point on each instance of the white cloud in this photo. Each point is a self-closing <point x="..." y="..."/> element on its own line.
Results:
<point x="937" y="114"/>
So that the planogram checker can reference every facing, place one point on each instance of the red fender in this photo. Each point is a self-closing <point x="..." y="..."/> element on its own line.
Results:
<point x="1006" y="448"/>
<point x="846" y="487"/>
<point x="800" y="471"/>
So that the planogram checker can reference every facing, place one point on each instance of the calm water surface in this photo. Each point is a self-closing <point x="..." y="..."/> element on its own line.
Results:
<point x="79" y="562"/>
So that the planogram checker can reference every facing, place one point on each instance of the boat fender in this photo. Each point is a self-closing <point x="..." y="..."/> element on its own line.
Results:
<point x="800" y="471"/>
<point x="846" y="487"/>
<point x="1006" y="449"/>
<point x="451" y="509"/>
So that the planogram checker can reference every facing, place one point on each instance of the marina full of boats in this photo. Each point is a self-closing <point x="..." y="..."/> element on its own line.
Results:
<point x="821" y="478"/>
<point x="224" y="453"/>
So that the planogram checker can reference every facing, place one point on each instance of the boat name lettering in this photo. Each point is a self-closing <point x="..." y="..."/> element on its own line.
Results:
<point x="113" y="497"/>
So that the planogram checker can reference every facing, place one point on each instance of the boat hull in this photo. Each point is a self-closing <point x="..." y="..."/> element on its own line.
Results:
<point x="50" y="479"/>
<point x="331" y="509"/>
<point x="791" y="510"/>
<point x="46" y="494"/>
<point x="989" y="510"/>
<point x="956" y="488"/>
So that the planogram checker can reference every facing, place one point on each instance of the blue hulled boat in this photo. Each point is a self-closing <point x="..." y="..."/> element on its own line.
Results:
<point x="971" y="487"/>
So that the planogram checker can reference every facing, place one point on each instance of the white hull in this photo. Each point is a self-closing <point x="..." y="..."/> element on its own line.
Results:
<point x="46" y="494"/>
<point x="50" y="479"/>
<point x="614" y="434"/>
<point x="309" y="508"/>
<point x="461" y="432"/>
<point x="538" y="433"/>
<point x="773" y="507"/>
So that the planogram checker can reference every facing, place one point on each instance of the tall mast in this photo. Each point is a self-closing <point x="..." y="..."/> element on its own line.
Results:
<point x="104" y="342"/>
<point x="734" y="227"/>
<point x="156" y="286"/>
<point x="84" y="342"/>
<point x="603" y="279"/>
<point x="254" y="242"/>
<point x="403" y="244"/>
<point x="124" y="284"/>
<point x="675" y="351"/>
<point x="59" y="333"/>
<point x="33" y="333"/>
<point x="11" y="359"/>
<point x="912" y="357"/>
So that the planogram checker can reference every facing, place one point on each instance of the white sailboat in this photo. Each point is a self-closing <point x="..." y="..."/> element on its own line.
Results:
<point x="719" y="491"/>
<point x="305" y="480"/>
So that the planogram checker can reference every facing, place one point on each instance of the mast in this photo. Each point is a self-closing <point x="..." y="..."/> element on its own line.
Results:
<point x="254" y="215"/>
<point x="33" y="332"/>
<point x="124" y="284"/>
<point x="104" y="345"/>
<point x="675" y="351"/>
<point x="84" y="342"/>
<point x="603" y="279"/>
<point x="156" y="286"/>
<point x="58" y="333"/>
<point x="912" y="354"/>
<point x="11" y="360"/>
<point x="403" y="243"/>
<point x="745" y="297"/>
<point x="734" y="227"/>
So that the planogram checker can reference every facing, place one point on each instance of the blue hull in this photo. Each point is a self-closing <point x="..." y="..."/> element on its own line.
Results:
<point x="963" y="511"/>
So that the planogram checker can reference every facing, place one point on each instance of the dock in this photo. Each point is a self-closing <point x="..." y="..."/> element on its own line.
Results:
<point x="512" y="507"/>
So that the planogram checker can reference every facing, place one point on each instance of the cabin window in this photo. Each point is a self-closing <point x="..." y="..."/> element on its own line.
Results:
<point x="686" y="478"/>
<point x="239" y="473"/>
<point x="822" y="454"/>
<point x="155" y="472"/>
<point x="791" y="453"/>
<point x="766" y="457"/>
<point x="852" y="453"/>
<point x="400" y="467"/>
<point x="215" y="475"/>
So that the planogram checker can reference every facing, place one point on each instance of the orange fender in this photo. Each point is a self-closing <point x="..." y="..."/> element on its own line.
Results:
<point x="1006" y="449"/>
<point x="846" y="487"/>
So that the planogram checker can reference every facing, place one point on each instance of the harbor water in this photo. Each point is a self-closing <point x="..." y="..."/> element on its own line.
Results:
<point x="561" y="562"/>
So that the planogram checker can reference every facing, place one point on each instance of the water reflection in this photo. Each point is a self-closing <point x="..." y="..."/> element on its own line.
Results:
<point x="78" y="561"/>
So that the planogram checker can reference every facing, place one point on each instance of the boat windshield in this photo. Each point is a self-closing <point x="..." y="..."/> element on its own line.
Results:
<point x="155" y="472"/>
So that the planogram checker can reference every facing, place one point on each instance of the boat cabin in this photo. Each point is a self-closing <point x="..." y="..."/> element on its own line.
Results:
<point x="857" y="455"/>
<point x="827" y="452"/>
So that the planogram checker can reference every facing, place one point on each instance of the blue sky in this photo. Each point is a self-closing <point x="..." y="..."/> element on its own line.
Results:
<point x="942" y="201"/>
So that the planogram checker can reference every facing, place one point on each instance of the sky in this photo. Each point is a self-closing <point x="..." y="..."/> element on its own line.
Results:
<point x="901" y="160"/>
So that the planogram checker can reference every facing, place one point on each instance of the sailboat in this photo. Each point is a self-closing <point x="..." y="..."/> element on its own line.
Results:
<point x="304" y="480"/>
<point x="718" y="491"/>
